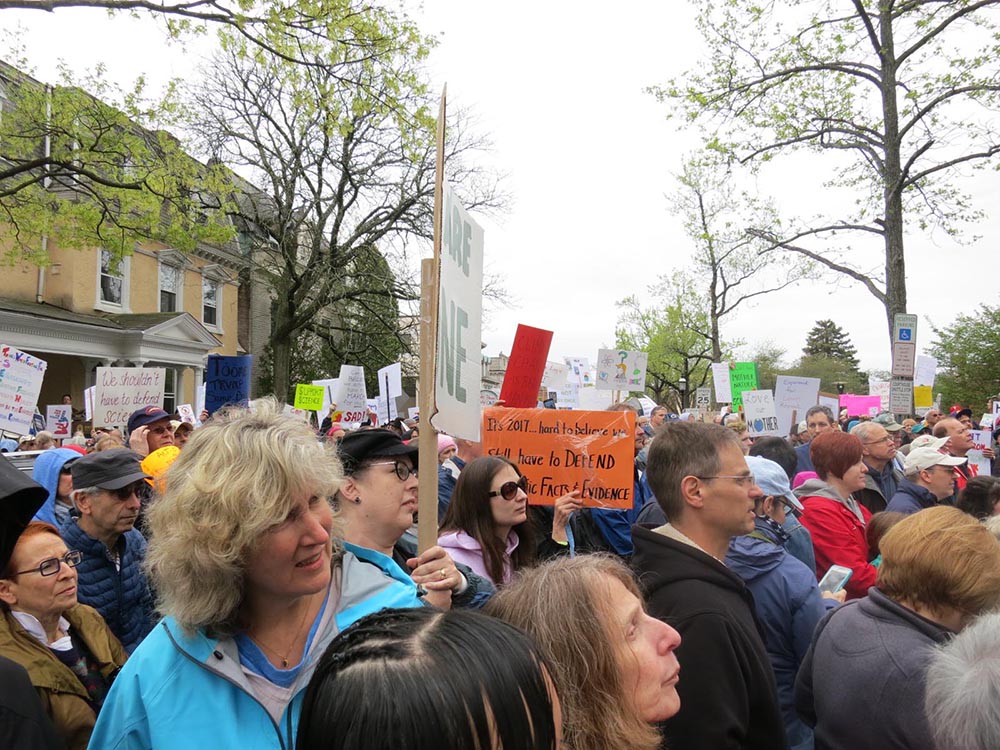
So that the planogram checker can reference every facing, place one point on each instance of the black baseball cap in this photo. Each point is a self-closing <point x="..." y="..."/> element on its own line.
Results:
<point x="357" y="447"/>
<point x="20" y="499"/>
<point x="145" y="416"/>
<point x="108" y="470"/>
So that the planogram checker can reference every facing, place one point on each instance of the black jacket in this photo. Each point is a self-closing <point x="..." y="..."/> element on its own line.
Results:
<point x="729" y="700"/>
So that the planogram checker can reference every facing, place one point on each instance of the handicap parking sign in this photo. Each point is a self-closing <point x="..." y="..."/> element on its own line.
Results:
<point x="905" y="334"/>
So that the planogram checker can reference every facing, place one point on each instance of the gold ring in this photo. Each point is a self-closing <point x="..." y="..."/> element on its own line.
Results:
<point x="443" y="574"/>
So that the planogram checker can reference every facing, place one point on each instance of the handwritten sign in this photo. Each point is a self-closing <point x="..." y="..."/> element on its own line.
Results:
<point x="186" y="413"/>
<point x="21" y="376"/>
<point x="759" y="411"/>
<point x="561" y="451"/>
<point x="579" y="371"/>
<point x="793" y="396"/>
<point x="350" y="396"/>
<point x="227" y="381"/>
<point x="525" y="367"/>
<point x="720" y="378"/>
<point x="487" y="397"/>
<point x="621" y="370"/>
<point x="860" y="405"/>
<point x="329" y="386"/>
<point x="58" y="419"/>
<point x="925" y="370"/>
<point x="568" y="397"/>
<point x="308" y="397"/>
<point x="742" y="377"/>
<point x="555" y="375"/>
<point x="390" y="385"/>
<point x="122" y="390"/>
<point x="981" y="440"/>
<point x="882" y="389"/>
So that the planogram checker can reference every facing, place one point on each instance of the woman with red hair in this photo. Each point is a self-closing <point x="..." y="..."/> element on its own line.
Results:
<point x="835" y="519"/>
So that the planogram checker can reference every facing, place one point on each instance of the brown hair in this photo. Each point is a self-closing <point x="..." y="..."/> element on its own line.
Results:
<point x="878" y="527"/>
<point x="941" y="557"/>
<point x="469" y="511"/>
<point x="563" y="605"/>
<point x="834" y="453"/>
<point x="682" y="449"/>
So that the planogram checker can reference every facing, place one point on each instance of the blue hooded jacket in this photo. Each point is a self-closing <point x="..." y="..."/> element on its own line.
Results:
<point x="46" y="472"/>
<point x="911" y="497"/>
<point x="788" y="605"/>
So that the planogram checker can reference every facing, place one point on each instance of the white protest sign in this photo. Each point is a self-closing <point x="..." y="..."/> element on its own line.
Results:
<point x="924" y="371"/>
<point x="579" y="370"/>
<point x="186" y="413"/>
<point x="723" y="388"/>
<point x="647" y="404"/>
<point x="329" y="388"/>
<point x="290" y="410"/>
<point x="592" y="399"/>
<point x="882" y="389"/>
<point x="986" y="422"/>
<point x="759" y="412"/>
<point x="487" y="397"/>
<point x="555" y="375"/>
<point x="350" y="395"/>
<point x="568" y="397"/>
<point x="621" y="370"/>
<point x="390" y="385"/>
<point x="412" y="412"/>
<point x="58" y="419"/>
<point x="460" y="313"/>
<point x="122" y="390"/>
<point x="832" y="403"/>
<point x="21" y="377"/>
<point x="981" y="440"/>
<point x="199" y="399"/>
<point x="793" y="396"/>
<point x="88" y="402"/>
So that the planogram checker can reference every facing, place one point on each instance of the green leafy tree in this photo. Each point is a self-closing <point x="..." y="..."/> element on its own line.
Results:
<point x="830" y="372"/>
<point x="900" y="96"/>
<point x="827" y="339"/>
<point x="769" y="357"/>
<point x="727" y="262"/>
<point x="968" y="355"/>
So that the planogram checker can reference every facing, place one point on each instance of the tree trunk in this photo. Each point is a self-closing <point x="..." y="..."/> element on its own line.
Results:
<point x="281" y="348"/>
<point x="895" y="261"/>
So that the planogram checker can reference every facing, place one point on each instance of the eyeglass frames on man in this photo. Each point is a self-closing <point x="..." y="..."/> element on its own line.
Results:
<point x="743" y="480"/>
<point x="50" y="566"/>
<point x="508" y="490"/>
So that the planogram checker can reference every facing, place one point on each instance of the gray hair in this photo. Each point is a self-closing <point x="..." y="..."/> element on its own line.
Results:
<point x="963" y="688"/>
<point x="864" y="430"/>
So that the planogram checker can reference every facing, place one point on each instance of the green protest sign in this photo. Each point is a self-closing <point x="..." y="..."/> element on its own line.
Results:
<point x="742" y="377"/>
<point x="308" y="397"/>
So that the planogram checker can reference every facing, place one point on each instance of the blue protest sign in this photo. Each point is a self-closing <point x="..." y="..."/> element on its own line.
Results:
<point x="227" y="381"/>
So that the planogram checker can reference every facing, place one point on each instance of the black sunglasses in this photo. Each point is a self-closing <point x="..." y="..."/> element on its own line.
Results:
<point x="508" y="490"/>
<point x="127" y="491"/>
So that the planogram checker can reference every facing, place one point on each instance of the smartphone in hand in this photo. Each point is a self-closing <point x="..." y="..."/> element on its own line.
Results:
<point x="835" y="579"/>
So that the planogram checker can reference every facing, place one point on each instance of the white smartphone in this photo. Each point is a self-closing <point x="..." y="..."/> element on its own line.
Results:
<point x="835" y="579"/>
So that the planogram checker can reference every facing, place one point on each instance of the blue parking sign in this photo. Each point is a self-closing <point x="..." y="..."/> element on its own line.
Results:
<point x="905" y="334"/>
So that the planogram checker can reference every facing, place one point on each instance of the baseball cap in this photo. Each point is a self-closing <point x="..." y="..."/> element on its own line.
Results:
<point x="773" y="480"/>
<point x="888" y="421"/>
<point x="157" y="462"/>
<point x="966" y="412"/>
<point x="925" y="458"/>
<point x="108" y="470"/>
<point x="928" y="441"/>
<point x="145" y="416"/>
<point x="357" y="447"/>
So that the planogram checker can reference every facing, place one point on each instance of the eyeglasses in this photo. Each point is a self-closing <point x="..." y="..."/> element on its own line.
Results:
<point x="745" y="481"/>
<point x="126" y="492"/>
<point x="886" y="439"/>
<point x="50" y="566"/>
<point x="508" y="490"/>
<point x="403" y="471"/>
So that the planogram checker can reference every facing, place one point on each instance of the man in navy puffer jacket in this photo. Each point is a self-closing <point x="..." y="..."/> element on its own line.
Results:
<point x="110" y="577"/>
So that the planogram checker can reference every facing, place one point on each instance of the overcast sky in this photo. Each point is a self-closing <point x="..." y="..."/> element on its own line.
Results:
<point x="558" y="86"/>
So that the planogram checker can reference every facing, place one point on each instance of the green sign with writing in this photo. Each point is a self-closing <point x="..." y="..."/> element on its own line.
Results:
<point x="308" y="397"/>
<point x="742" y="377"/>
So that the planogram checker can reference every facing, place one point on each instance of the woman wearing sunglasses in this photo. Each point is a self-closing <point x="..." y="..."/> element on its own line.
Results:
<point x="70" y="654"/>
<point x="488" y="526"/>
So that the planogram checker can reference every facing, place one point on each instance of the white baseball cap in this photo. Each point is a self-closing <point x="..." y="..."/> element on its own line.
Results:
<point x="924" y="458"/>
<point x="926" y="441"/>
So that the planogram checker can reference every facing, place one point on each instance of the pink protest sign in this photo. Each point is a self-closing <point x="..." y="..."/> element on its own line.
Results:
<point x="857" y="406"/>
<point x="525" y="367"/>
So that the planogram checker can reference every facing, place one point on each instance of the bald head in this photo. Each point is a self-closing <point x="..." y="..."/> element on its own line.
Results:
<point x="959" y="439"/>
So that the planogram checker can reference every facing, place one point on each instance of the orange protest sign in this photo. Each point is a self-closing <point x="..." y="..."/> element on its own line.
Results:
<point x="560" y="451"/>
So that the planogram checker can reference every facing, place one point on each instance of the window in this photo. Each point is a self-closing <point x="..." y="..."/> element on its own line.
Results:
<point x="171" y="282"/>
<point x="170" y="390"/>
<point x="210" y="302"/>
<point x="111" y="287"/>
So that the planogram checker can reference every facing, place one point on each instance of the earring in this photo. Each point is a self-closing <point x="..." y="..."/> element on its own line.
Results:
<point x="356" y="501"/>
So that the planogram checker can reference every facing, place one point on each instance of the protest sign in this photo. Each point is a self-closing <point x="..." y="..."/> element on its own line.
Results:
<point x="555" y="375"/>
<point x="88" y="402"/>
<point x="857" y="406"/>
<point x="981" y="440"/>
<point x="579" y="370"/>
<point x="308" y="397"/>
<point x="831" y="402"/>
<point x="759" y="412"/>
<point x="329" y="386"/>
<point x="880" y="388"/>
<point x="923" y="397"/>
<point x="291" y="411"/>
<point x="390" y="385"/>
<point x="986" y="422"/>
<point x="723" y="388"/>
<point x="925" y="370"/>
<point x="621" y="370"/>
<point x="21" y="377"/>
<point x="186" y="413"/>
<point x="351" y="397"/>
<point x="122" y="390"/>
<point x="561" y="451"/>
<point x="525" y="367"/>
<point x="412" y="412"/>
<point x="647" y="404"/>
<point x="58" y="419"/>
<point x="568" y="397"/>
<point x="460" y="311"/>
<point x="742" y="377"/>
<point x="227" y="381"/>
<point x="487" y="397"/>
<point x="793" y="396"/>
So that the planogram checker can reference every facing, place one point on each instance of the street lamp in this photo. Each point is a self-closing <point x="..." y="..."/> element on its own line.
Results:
<point x="682" y="386"/>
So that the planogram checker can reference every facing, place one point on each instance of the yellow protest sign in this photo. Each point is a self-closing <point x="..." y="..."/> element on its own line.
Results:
<point x="309" y="397"/>
<point x="922" y="397"/>
<point x="561" y="451"/>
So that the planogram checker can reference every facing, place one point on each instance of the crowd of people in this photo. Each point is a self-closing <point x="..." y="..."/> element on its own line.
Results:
<point x="253" y="582"/>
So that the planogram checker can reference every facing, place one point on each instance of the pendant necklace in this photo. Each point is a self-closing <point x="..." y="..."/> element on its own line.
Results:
<point x="284" y="657"/>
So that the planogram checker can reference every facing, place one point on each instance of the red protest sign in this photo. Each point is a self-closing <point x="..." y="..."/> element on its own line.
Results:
<point x="562" y="451"/>
<point x="525" y="367"/>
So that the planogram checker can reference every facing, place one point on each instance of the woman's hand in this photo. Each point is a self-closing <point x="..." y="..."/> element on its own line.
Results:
<point x="436" y="572"/>
<point x="561" y="512"/>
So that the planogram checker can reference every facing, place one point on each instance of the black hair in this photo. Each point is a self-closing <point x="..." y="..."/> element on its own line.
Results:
<point x="778" y="450"/>
<point x="421" y="679"/>
<point x="979" y="496"/>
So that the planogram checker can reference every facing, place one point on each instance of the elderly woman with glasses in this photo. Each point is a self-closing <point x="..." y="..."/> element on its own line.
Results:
<point x="67" y="649"/>
<point x="488" y="526"/>
<point x="378" y="501"/>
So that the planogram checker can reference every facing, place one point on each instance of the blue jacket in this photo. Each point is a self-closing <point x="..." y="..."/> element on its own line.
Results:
<point x="446" y="484"/>
<point x="46" y="473"/>
<point x="800" y="542"/>
<point x="805" y="462"/>
<point x="911" y="497"/>
<point x="121" y="595"/>
<point x="181" y="691"/>
<point x="789" y="606"/>
<point x="616" y="525"/>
